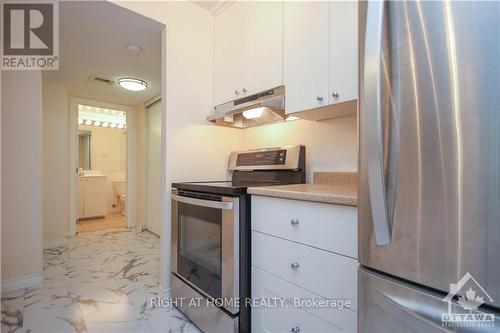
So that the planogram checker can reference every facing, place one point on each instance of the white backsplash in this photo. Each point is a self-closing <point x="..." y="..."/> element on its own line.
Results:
<point x="331" y="145"/>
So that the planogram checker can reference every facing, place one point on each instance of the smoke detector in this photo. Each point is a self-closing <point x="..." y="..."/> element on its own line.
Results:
<point x="133" y="49"/>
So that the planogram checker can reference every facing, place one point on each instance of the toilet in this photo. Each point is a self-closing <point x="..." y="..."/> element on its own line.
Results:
<point x="121" y="194"/>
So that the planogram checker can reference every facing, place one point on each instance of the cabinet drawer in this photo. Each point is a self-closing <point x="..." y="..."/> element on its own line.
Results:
<point x="284" y="319"/>
<point x="330" y="227"/>
<point x="323" y="273"/>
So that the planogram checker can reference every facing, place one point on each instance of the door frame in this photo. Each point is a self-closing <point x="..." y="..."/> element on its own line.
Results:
<point x="154" y="100"/>
<point x="73" y="155"/>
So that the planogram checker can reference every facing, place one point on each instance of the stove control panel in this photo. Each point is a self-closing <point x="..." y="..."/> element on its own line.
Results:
<point x="272" y="157"/>
<point x="281" y="158"/>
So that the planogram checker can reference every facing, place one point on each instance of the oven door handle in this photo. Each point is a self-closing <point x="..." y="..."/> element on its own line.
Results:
<point x="203" y="203"/>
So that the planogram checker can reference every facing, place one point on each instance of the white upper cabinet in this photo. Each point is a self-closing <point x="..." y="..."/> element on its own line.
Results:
<point x="232" y="52"/>
<point x="248" y="55"/>
<point x="320" y="53"/>
<point x="266" y="49"/>
<point x="309" y="46"/>
<point x="306" y="54"/>
<point x="343" y="51"/>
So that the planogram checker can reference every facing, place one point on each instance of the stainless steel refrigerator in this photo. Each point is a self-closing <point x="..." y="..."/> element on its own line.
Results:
<point x="429" y="166"/>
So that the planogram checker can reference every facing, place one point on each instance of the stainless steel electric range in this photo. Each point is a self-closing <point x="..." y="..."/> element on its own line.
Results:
<point x="211" y="237"/>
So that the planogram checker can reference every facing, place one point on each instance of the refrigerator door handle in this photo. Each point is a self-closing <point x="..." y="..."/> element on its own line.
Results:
<point x="371" y="107"/>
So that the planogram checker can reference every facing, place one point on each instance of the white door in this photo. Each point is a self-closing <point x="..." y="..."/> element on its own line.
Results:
<point x="344" y="51"/>
<point x="231" y="53"/>
<point x="153" y="168"/>
<point x="266" y="49"/>
<point x="306" y="54"/>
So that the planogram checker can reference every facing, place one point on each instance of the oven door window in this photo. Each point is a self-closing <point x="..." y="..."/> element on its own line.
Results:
<point x="199" y="247"/>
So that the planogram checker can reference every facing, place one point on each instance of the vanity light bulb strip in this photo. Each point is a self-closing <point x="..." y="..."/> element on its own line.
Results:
<point x="99" y="123"/>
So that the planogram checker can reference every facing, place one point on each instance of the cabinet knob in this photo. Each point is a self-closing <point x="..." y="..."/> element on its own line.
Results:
<point x="294" y="221"/>
<point x="245" y="90"/>
<point x="295" y="329"/>
<point x="294" y="265"/>
<point x="236" y="92"/>
<point x="335" y="95"/>
<point x="320" y="98"/>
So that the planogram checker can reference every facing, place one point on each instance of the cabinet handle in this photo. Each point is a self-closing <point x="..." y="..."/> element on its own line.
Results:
<point x="294" y="222"/>
<point x="295" y="329"/>
<point x="335" y="95"/>
<point x="245" y="90"/>
<point x="320" y="98"/>
<point x="294" y="265"/>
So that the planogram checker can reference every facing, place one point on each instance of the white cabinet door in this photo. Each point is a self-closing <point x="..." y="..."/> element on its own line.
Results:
<point x="306" y="54"/>
<point x="231" y="52"/>
<point x="266" y="50"/>
<point x="94" y="202"/>
<point x="344" y="51"/>
<point x="327" y="274"/>
<point x="332" y="228"/>
<point x="293" y="317"/>
<point x="80" y="193"/>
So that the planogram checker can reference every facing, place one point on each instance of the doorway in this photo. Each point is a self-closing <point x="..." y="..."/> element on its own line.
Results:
<point x="103" y="156"/>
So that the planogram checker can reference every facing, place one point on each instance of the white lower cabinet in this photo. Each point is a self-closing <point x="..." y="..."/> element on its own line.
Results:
<point x="292" y="317"/>
<point x="304" y="253"/>
<point x="324" y="273"/>
<point x="91" y="197"/>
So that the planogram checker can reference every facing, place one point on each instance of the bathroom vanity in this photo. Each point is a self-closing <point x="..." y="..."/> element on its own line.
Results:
<point x="91" y="196"/>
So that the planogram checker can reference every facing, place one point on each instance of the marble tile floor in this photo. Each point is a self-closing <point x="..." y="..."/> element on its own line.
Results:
<point x="101" y="281"/>
<point x="110" y="221"/>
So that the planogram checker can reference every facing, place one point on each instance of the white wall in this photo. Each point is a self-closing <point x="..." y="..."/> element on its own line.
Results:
<point x="331" y="145"/>
<point x="21" y="225"/>
<point x="195" y="150"/>
<point x="56" y="167"/>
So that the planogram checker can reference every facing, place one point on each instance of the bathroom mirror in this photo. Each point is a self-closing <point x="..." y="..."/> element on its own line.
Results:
<point x="84" y="149"/>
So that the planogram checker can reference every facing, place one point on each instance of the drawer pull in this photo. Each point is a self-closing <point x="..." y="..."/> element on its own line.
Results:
<point x="294" y="265"/>
<point x="296" y="329"/>
<point x="294" y="222"/>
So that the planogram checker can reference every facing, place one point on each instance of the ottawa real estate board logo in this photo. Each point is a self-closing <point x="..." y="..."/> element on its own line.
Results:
<point x="464" y="313"/>
<point x="30" y="35"/>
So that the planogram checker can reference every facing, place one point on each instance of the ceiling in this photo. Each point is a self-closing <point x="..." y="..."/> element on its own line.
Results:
<point x="93" y="35"/>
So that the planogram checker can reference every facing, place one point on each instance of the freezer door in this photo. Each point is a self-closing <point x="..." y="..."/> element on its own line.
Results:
<point x="388" y="306"/>
<point x="429" y="188"/>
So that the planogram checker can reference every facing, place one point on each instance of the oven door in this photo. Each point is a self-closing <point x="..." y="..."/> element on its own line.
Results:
<point x="205" y="244"/>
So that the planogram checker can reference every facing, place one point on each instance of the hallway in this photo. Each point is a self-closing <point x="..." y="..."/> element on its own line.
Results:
<point x="110" y="221"/>
<point x="102" y="281"/>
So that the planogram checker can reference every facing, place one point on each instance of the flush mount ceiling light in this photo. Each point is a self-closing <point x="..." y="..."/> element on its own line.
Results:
<point x="132" y="84"/>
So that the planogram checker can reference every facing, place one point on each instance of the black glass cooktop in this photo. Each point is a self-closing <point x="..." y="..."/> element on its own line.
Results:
<point x="222" y="187"/>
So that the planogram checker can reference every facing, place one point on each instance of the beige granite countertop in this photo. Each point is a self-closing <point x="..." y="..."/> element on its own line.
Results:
<point x="338" y="188"/>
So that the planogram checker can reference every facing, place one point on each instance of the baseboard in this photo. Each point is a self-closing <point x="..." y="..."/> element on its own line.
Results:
<point x="166" y="292"/>
<point x="54" y="243"/>
<point x="26" y="281"/>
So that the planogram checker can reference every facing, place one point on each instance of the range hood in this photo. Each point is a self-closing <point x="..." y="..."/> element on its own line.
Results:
<point x="266" y="107"/>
